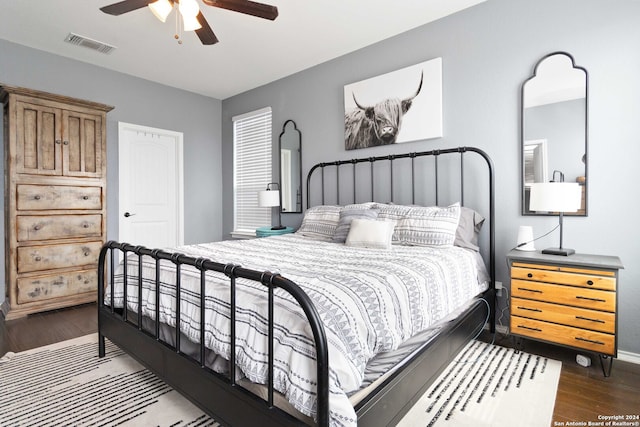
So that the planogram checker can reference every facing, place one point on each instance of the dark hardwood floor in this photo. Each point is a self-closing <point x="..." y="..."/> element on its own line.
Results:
<point x="583" y="395"/>
<point x="45" y="328"/>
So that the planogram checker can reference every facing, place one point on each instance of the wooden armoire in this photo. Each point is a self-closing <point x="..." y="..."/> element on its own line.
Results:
<point x="55" y="199"/>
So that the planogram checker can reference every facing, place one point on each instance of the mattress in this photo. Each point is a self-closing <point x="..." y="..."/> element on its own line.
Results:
<point x="370" y="302"/>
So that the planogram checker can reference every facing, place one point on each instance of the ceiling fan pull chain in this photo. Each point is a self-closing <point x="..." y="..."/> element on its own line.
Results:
<point x="178" y="34"/>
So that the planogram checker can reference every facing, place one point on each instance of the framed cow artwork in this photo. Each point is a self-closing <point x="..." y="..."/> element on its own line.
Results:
<point x="401" y="106"/>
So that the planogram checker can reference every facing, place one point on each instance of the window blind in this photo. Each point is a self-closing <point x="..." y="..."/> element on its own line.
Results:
<point x="252" y="169"/>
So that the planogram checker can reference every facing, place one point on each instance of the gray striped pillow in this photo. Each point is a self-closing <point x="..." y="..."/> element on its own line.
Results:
<point x="320" y="222"/>
<point x="423" y="226"/>
<point x="348" y="215"/>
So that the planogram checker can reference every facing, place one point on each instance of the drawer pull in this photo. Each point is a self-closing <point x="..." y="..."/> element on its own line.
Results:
<point x="590" y="299"/>
<point x="65" y="142"/>
<point x="36" y="227"/>
<point x="85" y="225"/>
<point x="37" y="258"/>
<point x="87" y="253"/>
<point x="590" y="320"/>
<point x="536" y="291"/>
<point x="590" y="282"/>
<point x="85" y="197"/>
<point x="58" y="141"/>
<point x="529" y="328"/>
<point x="537" y="310"/>
<point x="589" y="341"/>
<point x="37" y="197"/>
<point x="529" y="275"/>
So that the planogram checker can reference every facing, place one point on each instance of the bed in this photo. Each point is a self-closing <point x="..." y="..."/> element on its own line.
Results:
<point x="324" y="326"/>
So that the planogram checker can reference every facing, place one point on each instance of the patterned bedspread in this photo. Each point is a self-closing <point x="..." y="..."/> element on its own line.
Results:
<point x="370" y="300"/>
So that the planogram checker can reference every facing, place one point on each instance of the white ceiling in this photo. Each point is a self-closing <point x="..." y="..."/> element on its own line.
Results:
<point x="251" y="51"/>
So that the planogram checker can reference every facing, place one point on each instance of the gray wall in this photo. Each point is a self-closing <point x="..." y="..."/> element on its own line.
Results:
<point x="487" y="52"/>
<point x="140" y="102"/>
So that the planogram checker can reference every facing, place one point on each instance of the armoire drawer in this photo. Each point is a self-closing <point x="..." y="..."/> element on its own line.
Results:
<point x="574" y="337"/>
<point x="52" y="197"/>
<point x="38" y="258"/>
<point x="49" y="227"/>
<point x="568" y="295"/>
<point x="571" y="316"/>
<point x="41" y="288"/>
<point x="564" y="276"/>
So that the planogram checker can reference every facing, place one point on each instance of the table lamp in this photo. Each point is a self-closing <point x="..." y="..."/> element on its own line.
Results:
<point x="555" y="197"/>
<point x="269" y="198"/>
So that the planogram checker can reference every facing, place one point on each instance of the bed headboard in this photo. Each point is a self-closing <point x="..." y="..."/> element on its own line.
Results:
<point x="435" y="177"/>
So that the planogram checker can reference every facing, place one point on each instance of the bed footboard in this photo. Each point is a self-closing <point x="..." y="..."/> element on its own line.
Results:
<point x="218" y="395"/>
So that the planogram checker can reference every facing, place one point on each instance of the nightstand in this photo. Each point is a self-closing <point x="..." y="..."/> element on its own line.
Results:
<point x="267" y="231"/>
<point x="566" y="300"/>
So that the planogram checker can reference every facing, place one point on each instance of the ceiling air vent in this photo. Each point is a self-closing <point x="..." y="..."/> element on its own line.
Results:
<point x="79" y="40"/>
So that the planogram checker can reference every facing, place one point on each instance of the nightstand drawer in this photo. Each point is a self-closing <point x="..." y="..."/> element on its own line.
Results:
<point x="570" y="316"/>
<point x="577" y="297"/>
<point x="551" y="274"/>
<point x="574" y="337"/>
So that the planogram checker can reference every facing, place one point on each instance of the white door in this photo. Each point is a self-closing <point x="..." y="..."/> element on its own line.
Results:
<point x="150" y="186"/>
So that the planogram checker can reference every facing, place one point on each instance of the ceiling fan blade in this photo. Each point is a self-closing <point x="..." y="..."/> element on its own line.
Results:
<point x="260" y="10"/>
<point x="205" y="34"/>
<point x="125" y="6"/>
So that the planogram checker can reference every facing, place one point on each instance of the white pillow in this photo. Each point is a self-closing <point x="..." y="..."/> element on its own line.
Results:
<point x="368" y="233"/>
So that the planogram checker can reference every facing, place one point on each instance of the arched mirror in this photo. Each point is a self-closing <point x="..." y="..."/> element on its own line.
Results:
<point x="554" y="127"/>
<point x="291" y="168"/>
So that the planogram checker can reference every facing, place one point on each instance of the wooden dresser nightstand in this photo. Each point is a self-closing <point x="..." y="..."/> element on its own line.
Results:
<point x="566" y="300"/>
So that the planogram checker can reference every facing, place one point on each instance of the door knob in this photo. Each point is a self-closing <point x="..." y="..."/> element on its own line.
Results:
<point x="127" y="214"/>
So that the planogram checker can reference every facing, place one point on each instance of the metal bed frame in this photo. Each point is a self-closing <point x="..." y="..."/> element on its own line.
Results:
<point x="228" y="402"/>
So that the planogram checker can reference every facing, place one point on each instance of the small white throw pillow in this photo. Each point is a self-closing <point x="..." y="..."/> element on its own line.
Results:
<point x="369" y="233"/>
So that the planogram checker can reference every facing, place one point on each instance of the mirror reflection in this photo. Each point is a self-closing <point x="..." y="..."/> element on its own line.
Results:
<point x="291" y="168"/>
<point x="554" y="126"/>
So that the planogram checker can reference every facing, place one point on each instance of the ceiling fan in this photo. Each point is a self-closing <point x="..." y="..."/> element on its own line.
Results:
<point x="192" y="16"/>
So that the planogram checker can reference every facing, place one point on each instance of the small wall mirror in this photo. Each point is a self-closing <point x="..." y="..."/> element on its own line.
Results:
<point x="554" y="126"/>
<point x="291" y="168"/>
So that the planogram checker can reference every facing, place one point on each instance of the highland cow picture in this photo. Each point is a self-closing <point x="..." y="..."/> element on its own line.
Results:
<point x="401" y="106"/>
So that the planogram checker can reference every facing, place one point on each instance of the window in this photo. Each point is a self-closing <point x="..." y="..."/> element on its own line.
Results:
<point x="252" y="156"/>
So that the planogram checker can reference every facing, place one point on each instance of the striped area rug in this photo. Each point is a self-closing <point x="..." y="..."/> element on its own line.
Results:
<point x="67" y="384"/>
<point x="490" y="386"/>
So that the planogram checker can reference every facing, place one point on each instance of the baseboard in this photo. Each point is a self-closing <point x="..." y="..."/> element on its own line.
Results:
<point x="628" y="356"/>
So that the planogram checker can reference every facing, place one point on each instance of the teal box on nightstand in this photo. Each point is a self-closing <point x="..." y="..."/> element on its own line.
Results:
<point x="267" y="231"/>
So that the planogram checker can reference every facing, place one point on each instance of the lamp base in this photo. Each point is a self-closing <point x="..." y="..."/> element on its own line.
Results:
<point x="558" y="251"/>
<point x="278" y="227"/>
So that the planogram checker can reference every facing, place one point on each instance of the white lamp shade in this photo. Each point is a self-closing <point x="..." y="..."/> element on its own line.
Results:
<point x="161" y="9"/>
<point x="268" y="198"/>
<point x="555" y="197"/>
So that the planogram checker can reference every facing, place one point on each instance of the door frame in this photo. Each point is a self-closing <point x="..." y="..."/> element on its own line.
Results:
<point x="179" y="178"/>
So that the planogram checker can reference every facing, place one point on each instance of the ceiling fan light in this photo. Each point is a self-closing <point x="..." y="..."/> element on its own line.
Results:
<point x="190" y="23"/>
<point x="189" y="8"/>
<point x="161" y="9"/>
